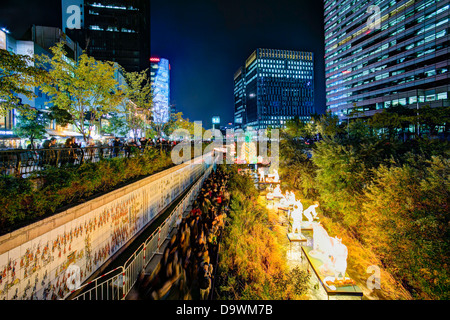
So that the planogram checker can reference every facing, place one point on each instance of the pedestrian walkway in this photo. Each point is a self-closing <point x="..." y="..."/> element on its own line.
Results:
<point x="156" y="259"/>
<point x="184" y="264"/>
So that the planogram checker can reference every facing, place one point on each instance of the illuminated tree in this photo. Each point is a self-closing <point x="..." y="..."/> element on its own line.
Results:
<point x="177" y="121"/>
<point x="18" y="75"/>
<point x="87" y="89"/>
<point x="138" y="102"/>
<point x="31" y="127"/>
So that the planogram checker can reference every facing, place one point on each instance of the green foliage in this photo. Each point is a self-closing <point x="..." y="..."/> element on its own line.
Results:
<point x="138" y="102"/>
<point x="23" y="202"/>
<point x="252" y="266"/>
<point x="31" y="127"/>
<point x="86" y="89"/>
<point x="329" y="126"/>
<point x="12" y="188"/>
<point x="408" y="223"/>
<point x="177" y="121"/>
<point x="433" y="118"/>
<point x="295" y="168"/>
<point x="61" y="116"/>
<point x="18" y="76"/>
<point x="116" y="125"/>
<point x="389" y="192"/>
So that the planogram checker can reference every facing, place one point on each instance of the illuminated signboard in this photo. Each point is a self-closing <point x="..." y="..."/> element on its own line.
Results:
<point x="2" y="40"/>
<point x="216" y="120"/>
<point x="155" y="59"/>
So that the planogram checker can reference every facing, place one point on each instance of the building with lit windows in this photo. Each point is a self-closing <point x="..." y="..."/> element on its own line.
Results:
<point x="385" y="53"/>
<point x="112" y="30"/>
<point x="160" y="81"/>
<point x="272" y="87"/>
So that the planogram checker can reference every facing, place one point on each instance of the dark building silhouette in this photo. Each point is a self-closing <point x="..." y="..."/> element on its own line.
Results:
<point x="113" y="30"/>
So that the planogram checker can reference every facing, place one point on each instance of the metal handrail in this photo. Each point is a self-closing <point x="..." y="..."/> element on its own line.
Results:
<point x="23" y="162"/>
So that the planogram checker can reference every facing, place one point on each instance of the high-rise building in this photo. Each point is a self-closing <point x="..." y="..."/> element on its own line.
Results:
<point x="386" y="53"/>
<point x="272" y="87"/>
<point x="160" y="82"/>
<point x="113" y="30"/>
<point x="239" y="98"/>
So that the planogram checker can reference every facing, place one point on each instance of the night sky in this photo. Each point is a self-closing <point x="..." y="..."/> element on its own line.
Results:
<point x="206" y="41"/>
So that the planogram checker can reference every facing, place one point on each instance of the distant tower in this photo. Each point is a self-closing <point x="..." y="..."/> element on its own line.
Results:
<point x="160" y="81"/>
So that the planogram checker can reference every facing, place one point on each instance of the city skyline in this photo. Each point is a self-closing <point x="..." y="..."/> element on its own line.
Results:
<point x="204" y="59"/>
<point x="327" y="179"/>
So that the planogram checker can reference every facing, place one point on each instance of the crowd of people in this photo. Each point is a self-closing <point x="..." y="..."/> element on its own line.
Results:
<point x="185" y="270"/>
<point x="53" y="151"/>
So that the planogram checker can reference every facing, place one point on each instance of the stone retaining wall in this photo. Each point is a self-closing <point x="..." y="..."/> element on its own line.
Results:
<point x="34" y="260"/>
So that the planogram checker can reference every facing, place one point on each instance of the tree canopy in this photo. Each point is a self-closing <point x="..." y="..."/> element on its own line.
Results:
<point x="18" y="76"/>
<point x="87" y="89"/>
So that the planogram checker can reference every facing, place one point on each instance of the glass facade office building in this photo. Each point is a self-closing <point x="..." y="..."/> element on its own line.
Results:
<point x="272" y="87"/>
<point x="160" y="81"/>
<point x="384" y="53"/>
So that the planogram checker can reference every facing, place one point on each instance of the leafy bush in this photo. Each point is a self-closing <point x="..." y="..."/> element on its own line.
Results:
<point x="22" y="202"/>
<point x="390" y="194"/>
<point x="408" y="224"/>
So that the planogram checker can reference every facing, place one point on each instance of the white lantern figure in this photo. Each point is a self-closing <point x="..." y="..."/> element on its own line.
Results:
<point x="310" y="213"/>
<point x="274" y="176"/>
<point x="297" y="214"/>
<point x="277" y="192"/>
<point x="285" y="200"/>
<point x="291" y="198"/>
<point x="339" y="258"/>
<point x="261" y="174"/>
<point x="322" y="242"/>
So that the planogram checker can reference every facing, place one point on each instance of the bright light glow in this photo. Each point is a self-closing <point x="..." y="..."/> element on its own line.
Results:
<point x="161" y="91"/>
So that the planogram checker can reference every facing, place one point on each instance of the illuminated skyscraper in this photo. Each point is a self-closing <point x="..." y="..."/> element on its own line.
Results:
<point x="385" y="53"/>
<point x="160" y="80"/>
<point x="273" y="87"/>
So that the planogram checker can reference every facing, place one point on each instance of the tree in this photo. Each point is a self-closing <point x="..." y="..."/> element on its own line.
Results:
<point x="138" y="102"/>
<point x="31" y="127"/>
<point x="87" y="89"/>
<point x="18" y="75"/>
<point x="136" y="118"/>
<point x="433" y="118"/>
<point x="117" y="125"/>
<point x="61" y="116"/>
<point x="393" y="119"/>
<point x="329" y="126"/>
<point x="157" y="125"/>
